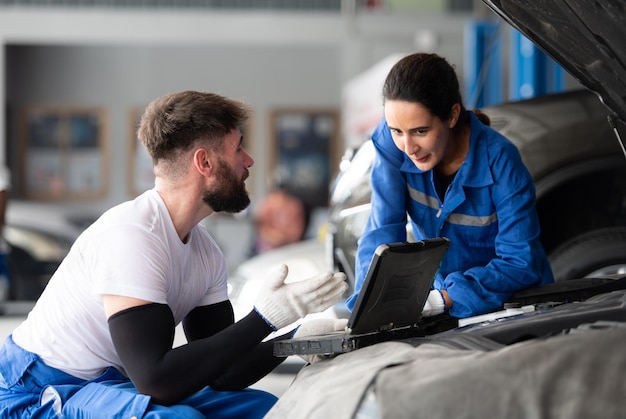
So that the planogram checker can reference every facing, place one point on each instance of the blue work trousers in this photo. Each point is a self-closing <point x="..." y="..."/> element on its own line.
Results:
<point x="31" y="389"/>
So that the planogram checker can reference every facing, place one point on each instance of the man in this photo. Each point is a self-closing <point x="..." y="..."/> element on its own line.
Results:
<point x="98" y="343"/>
<point x="280" y="219"/>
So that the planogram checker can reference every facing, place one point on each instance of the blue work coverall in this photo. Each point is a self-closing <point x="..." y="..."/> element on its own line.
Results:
<point x="31" y="389"/>
<point x="488" y="214"/>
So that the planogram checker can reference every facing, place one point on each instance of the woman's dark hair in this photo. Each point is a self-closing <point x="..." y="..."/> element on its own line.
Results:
<point x="429" y="80"/>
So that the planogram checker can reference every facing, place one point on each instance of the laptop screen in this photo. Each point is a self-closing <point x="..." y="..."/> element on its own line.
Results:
<point x="397" y="284"/>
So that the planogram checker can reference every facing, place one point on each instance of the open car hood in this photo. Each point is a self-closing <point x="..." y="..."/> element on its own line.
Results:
<point x="585" y="37"/>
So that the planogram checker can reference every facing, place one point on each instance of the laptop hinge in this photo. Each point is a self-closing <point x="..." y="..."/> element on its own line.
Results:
<point x="385" y="327"/>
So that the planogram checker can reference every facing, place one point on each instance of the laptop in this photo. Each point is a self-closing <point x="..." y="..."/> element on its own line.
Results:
<point x="390" y="303"/>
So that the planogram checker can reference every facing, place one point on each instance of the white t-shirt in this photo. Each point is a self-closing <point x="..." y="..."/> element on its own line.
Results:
<point x="132" y="250"/>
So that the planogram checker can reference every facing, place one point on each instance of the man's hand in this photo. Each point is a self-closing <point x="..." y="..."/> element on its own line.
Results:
<point x="283" y="303"/>
<point x="316" y="327"/>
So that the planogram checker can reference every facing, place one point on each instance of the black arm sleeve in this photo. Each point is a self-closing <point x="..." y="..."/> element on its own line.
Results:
<point x="205" y="321"/>
<point x="143" y="338"/>
<point x="255" y="365"/>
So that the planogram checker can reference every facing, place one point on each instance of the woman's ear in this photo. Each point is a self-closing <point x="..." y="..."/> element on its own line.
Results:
<point x="455" y="112"/>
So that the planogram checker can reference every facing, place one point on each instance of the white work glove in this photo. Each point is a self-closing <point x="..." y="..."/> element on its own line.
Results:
<point x="281" y="304"/>
<point x="316" y="327"/>
<point x="321" y="326"/>
<point x="435" y="304"/>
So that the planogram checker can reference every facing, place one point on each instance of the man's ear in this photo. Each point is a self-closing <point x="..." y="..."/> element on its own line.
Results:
<point x="203" y="162"/>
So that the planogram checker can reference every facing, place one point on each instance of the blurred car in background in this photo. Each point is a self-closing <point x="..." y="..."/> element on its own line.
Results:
<point x="39" y="236"/>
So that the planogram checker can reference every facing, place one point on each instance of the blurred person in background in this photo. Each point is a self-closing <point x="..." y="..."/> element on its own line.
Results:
<point x="280" y="219"/>
<point x="453" y="176"/>
<point x="99" y="341"/>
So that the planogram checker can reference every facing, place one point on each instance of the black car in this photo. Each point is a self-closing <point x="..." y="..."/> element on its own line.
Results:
<point x="555" y="351"/>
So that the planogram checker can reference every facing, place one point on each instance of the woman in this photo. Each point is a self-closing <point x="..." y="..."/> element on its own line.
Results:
<point x="454" y="177"/>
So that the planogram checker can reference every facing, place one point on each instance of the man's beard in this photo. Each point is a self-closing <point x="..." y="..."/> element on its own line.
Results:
<point x="231" y="196"/>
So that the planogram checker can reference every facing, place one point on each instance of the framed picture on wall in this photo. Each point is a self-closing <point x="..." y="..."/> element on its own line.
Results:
<point x="304" y="146"/>
<point x="63" y="153"/>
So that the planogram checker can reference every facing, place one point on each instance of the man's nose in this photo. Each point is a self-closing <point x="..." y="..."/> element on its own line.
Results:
<point x="248" y="160"/>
